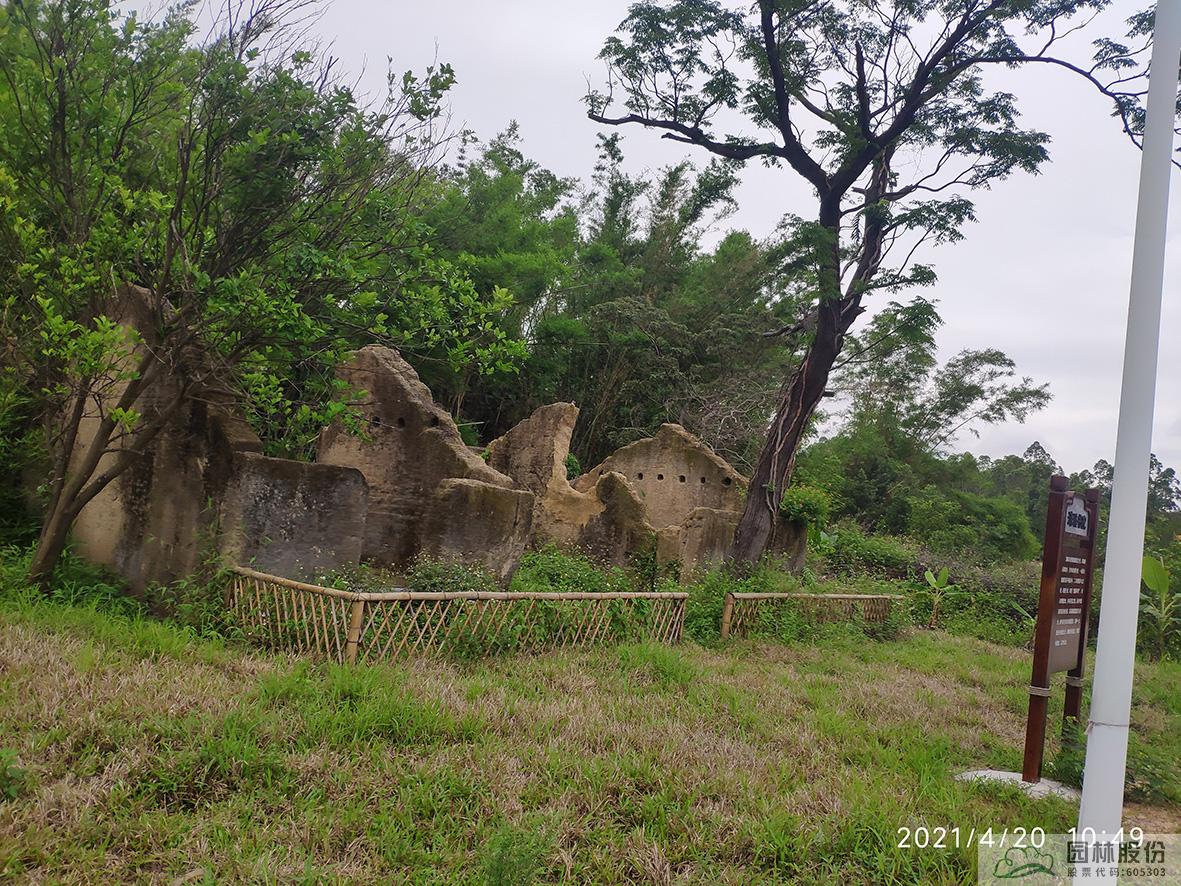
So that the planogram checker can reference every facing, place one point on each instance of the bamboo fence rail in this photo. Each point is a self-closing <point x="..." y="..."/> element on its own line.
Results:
<point x="741" y="612"/>
<point x="351" y="626"/>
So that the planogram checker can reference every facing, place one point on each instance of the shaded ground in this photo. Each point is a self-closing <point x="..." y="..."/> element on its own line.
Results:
<point x="154" y="757"/>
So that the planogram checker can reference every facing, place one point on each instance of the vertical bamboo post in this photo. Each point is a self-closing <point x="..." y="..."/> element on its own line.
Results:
<point x="727" y="614"/>
<point x="355" y="616"/>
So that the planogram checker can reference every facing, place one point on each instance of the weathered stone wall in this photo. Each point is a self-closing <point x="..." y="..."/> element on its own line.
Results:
<point x="154" y="521"/>
<point x="291" y="518"/>
<point x="408" y="486"/>
<point x="411" y="446"/>
<point x="203" y="488"/>
<point x="606" y="521"/>
<point x="674" y="473"/>
<point x="475" y="522"/>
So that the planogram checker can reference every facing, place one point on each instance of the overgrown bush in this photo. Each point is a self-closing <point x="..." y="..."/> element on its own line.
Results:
<point x="789" y="620"/>
<point x="853" y="550"/>
<point x="448" y="576"/>
<point x="550" y="570"/>
<point x="805" y="504"/>
<point x="573" y="466"/>
<point x="951" y="521"/>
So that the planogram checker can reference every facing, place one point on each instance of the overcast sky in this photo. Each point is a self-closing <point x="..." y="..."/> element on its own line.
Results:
<point x="1043" y="274"/>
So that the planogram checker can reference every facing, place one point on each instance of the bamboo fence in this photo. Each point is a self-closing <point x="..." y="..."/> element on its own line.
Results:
<point x="741" y="612"/>
<point x="352" y="626"/>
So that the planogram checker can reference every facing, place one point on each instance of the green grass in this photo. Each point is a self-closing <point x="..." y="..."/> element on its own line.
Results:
<point x="136" y="750"/>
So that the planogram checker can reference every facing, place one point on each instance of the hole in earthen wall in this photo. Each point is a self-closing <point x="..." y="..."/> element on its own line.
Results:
<point x="401" y="422"/>
<point x="640" y="475"/>
<point x="682" y="478"/>
<point x="726" y="481"/>
<point x="660" y="476"/>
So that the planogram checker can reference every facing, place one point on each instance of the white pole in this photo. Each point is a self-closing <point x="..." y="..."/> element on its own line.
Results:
<point x="1111" y="703"/>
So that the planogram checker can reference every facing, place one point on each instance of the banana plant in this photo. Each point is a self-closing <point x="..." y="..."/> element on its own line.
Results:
<point x="1160" y="607"/>
<point x="938" y="590"/>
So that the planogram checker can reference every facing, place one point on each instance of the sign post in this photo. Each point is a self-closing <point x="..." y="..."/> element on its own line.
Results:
<point x="1063" y="611"/>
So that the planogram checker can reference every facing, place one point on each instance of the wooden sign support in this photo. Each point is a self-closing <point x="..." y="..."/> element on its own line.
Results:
<point x="1063" y="612"/>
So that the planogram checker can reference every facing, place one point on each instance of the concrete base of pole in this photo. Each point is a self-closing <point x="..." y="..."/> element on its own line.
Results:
<point x="1044" y="788"/>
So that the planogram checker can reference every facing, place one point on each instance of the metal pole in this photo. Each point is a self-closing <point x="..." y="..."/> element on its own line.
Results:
<point x="1107" y="745"/>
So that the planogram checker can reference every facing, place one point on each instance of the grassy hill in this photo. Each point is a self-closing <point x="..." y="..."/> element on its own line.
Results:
<point x="137" y="751"/>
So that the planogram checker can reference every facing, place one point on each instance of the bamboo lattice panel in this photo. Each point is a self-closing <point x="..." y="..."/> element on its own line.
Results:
<point x="282" y="616"/>
<point x="744" y="612"/>
<point x="368" y="627"/>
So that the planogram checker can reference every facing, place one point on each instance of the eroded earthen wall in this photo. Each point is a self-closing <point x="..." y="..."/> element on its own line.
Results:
<point x="674" y="473"/>
<point x="203" y="489"/>
<point x="410" y="446"/>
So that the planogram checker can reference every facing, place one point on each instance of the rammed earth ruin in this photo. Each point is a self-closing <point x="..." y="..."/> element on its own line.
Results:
<point x="408" y="487"/>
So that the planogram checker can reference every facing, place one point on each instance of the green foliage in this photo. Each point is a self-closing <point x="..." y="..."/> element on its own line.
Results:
<point x="267" y="212"/>
<point x="707" y="595"/>
<point x="992" y="527"/>
<point x="938" y="589"/>
<point x="573" y="466"/>
<point x="623" y="309"/>
<point x="550" y="570"/>
<point x="448" y="576"/>
<point x="515" y="856"/>
<point x="14" y="779"/>
<point x="896" y="378"/>
<point x="805" y="504"/>
<point x="854" y="550"/>
<point x="786" y="621"/>
<point x="1160" y="610"/>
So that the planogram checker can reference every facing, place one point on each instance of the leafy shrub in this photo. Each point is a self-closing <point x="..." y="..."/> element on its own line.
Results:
<point x="853" y="550"/>
<point x="573" y="466"/>
<point x="551" y="570"/>
<point x="1160" y="610"/>
<point x="994" y="602"/>
<point x="951" y="521"/>
<point x="789" y="620"/>
<point x="197" y="603"/>
<point x="805" y="504"/>
<point x="707" y="597"/>
<point x="703" y="609"/>
<point x="449" y="576"/>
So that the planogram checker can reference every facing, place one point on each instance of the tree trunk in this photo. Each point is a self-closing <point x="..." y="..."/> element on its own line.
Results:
<point x="78" y="478"/>
<point x="759" y="522"/>
<point x="835" y="313"/>
<point x="50" y="545"/>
